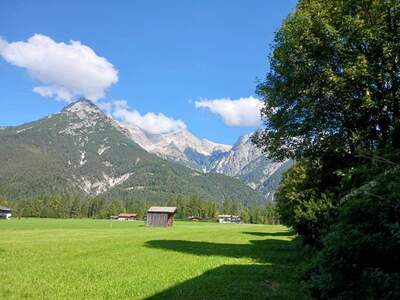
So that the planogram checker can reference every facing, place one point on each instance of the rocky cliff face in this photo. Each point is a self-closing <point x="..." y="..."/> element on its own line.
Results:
<point x="246" y="162"/>
<point x="180" y="146"/>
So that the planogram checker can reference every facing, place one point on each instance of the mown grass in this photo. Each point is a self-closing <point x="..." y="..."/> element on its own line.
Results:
<point x="100" y="259"/>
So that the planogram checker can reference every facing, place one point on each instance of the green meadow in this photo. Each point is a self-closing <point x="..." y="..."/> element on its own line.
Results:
<point x="101" y="259"/>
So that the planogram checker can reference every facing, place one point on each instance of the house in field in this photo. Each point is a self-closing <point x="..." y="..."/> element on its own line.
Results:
<point x="5" y="213"/>
<point x="127" y="217"/>
<point x="229" y="219"/>
<point x="195" y="218"/>
<point x="161" y="216"/>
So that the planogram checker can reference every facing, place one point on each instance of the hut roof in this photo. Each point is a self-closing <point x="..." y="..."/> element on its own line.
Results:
<point x="127" y="215"/>
<point x="162" y="209"/>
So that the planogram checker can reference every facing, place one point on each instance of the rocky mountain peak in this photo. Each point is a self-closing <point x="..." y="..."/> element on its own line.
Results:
<point x="83" y="117"/>
<point x="82" y="108"/>
<point x="244" y="139"/>
<point x="183" y="139"/>
<point x="177" y="145"/>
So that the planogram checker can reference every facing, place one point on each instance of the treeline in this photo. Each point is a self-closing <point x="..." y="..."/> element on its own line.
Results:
<point x="56" y="206"/>
<point x="332" y="103"/>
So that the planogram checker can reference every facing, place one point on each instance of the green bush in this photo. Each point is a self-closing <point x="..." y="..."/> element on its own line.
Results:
<point x="360" y="258"/>
<point x="300" y="203"/>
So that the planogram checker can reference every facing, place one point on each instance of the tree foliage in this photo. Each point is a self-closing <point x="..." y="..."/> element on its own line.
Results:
<point x="334" y="80"/>
<point x="300" y="203"/>
<point x="331" y="102"/>
<point x="360" y="256"/>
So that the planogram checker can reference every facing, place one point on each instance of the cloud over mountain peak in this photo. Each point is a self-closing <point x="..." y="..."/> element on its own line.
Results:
<point x="154" y="123"/>
<point x="238" y="112"/>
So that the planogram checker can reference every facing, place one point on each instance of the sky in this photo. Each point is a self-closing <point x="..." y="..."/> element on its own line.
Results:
<point x="160" y="65"/>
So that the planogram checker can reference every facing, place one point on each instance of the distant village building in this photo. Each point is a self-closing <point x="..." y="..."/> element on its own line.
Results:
<point x="229" y="219"/>
<point x="195" y="218"/>
<point x="5" y="213"/>
<point x="126" y="217"/>
<point x="161" y="216"/>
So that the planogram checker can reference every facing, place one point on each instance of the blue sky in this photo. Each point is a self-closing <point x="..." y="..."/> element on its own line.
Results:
<point x="168" y="55"/>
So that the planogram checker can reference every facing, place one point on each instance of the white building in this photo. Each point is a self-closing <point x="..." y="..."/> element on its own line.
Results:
<point x="228" y="219"/>
<point x="5" y="212"/>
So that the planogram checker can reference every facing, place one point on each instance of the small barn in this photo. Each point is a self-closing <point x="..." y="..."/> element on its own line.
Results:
<point x="195" y="218"/>
<point x="5" y="212"/>
<point x="127" y="217"/>
<point x="229" y="219"/>
<point x="161" y="216"/>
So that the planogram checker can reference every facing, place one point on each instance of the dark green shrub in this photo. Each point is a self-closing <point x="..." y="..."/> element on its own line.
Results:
<point x="361" y="254"/>
<point x="300" y="203"/>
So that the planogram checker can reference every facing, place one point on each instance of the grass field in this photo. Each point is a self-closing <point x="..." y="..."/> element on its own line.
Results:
<point x="100" y="259"/>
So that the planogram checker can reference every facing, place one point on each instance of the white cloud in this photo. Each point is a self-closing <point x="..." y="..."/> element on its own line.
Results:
<point x="153" y="123"/>
<point x="3" y="43"/>
<point x="239" y="112"/>
<point x="65" y="70"/>
<point x="105" y="106"/>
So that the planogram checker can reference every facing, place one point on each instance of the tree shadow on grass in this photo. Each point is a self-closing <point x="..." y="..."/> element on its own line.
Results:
<point x="277" y="234"/>
<point x="273" y="276"/>
<point x="263" y="251"/>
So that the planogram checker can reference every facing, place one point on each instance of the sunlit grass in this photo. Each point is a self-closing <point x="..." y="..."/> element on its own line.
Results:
<point x="99" y="259"/>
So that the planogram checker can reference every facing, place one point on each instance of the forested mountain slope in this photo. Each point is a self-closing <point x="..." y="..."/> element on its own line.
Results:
<point x="82" y="151"/>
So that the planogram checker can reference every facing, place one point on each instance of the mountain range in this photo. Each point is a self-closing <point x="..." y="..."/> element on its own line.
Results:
<point x="81" y="150"/>
<point x="243" y="160"/>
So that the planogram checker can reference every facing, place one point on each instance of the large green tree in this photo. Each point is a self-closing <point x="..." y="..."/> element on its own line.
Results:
<point x="331" y="97"/>
<point x="332" y="103"/>
<point x="333" y="84"/>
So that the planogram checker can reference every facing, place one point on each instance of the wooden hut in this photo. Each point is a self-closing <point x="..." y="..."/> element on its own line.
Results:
<point x="160" y="216"/>
<point x="126" y="217"/>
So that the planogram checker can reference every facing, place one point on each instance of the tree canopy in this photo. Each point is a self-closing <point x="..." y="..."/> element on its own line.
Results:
<point x="331" y="102"/>
<point x="334" y="79"/>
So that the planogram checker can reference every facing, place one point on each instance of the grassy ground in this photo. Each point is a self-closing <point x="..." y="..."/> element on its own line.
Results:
<point x="99" y="259"/>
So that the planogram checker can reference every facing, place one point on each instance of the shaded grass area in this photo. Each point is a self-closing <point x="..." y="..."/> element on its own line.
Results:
<point x="279" y="234"/>
<point x="272" y="276"/>
<point x="98" y="259"/>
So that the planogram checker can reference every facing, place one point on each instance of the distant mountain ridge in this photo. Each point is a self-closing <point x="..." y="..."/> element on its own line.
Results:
<point x="180" y="146"/>
<point x="81" y="150"/>
<point x="244" y="160"/>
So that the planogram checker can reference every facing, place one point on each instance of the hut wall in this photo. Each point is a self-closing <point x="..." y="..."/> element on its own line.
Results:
<point x="170" y="221"/>
<point x="157" y="219"/>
